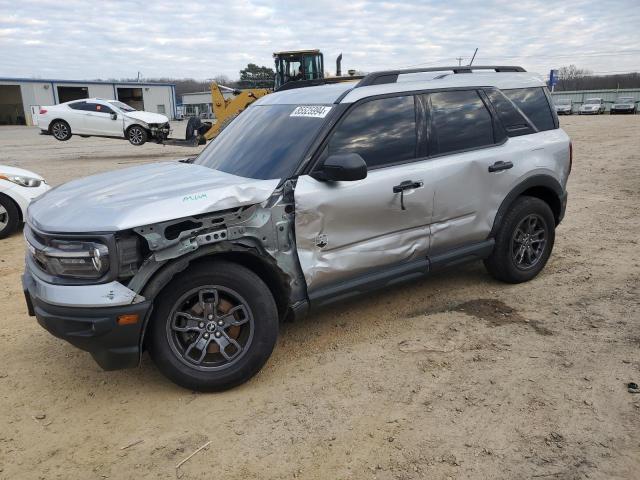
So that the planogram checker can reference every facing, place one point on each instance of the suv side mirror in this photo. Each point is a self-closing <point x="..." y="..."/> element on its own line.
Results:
<point x="114" y="116"/>
<point x="342" y="167"/>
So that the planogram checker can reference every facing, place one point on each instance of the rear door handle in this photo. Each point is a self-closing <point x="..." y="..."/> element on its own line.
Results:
<point x="406" y="185"/>
<point x="499" y="166"/>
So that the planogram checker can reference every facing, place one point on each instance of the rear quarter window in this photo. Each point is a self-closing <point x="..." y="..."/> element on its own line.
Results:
<point x="534" y="104"/>
<point x="512" y="120"/>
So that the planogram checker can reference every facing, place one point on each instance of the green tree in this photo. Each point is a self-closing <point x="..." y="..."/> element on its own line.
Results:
<point x="256" y="76"/>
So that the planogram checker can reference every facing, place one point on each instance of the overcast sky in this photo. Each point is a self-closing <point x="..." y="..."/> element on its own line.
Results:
<point x="75" y="40"/>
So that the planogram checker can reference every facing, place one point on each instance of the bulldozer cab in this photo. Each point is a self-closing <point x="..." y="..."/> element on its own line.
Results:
<point x="298" y="65"/>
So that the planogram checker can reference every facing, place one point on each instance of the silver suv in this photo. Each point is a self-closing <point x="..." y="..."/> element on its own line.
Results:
<point x="310" y="196"/>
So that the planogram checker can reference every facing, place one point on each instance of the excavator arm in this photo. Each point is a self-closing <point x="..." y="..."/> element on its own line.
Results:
<point x="226" y="110"/>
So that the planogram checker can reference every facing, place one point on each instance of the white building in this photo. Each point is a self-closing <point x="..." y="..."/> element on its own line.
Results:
<point x="198" y="104"/>
<point x="19" y="97"/>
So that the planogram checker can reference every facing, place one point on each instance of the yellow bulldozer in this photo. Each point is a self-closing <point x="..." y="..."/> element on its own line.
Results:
<point x="294" y="69"/>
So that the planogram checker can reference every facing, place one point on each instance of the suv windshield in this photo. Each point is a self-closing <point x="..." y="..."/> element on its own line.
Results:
<point x="122" y="106"/>
<point x="265" y="141"/>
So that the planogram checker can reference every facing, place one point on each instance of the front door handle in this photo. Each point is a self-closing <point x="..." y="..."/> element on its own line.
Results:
<point x="499" y="166"/>
<point x="406" y="185"/>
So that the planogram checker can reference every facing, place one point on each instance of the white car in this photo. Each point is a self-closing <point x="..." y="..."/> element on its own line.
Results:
<point x="592" y="106"/>
<point x="17" y="188"/>
<point x="104" y="118"/>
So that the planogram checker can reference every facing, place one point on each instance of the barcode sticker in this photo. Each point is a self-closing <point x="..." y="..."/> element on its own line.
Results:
<point x="315" y="111"/>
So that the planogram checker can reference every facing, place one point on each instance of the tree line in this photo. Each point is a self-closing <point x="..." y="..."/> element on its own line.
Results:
<point x="574" y="78"/>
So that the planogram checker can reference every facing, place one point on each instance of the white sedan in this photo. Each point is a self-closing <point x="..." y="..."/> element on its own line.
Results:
<point x="104" y="118"/>
<point x="18" y="188"/>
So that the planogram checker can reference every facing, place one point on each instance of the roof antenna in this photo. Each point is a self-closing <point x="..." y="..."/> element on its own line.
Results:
<point x="474" y="56"/>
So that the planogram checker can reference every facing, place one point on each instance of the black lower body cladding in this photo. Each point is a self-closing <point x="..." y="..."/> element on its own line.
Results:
<point x="94" y="330"/>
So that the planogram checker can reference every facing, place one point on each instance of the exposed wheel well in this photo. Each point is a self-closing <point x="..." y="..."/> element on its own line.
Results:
<point x="272" y="277"/>
<point x="135" y="125"/>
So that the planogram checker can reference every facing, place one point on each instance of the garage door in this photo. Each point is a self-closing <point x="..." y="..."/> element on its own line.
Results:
<point x="11" y="108"/>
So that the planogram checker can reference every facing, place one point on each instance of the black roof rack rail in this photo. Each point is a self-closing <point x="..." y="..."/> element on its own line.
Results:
<point x="391" y="76"/>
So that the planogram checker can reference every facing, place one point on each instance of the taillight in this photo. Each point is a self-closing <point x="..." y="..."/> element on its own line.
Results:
<point x="43" y="111"/>
<point x="570" y="157"/>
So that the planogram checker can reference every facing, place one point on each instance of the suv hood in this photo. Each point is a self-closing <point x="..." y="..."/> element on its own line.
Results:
<point x="148" y="117"/>
<point x="143" y="195"/>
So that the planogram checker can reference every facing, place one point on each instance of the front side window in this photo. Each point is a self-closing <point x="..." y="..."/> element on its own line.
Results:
<point x="381" y="131"/>
<point x="122" y="106"/>
<point x="98" y="107"/>
<point x="265" y="141"/>
<point x="459" y="121"/>
<point x="534" y="104"/>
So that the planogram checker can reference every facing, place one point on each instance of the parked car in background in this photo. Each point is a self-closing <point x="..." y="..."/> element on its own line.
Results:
<point x="624" y="105"/>
<point x="592" y="106"/>
<point x="102" y="118"/>
<point x="309" y="196"/>
<point x="17" y="188"/>
<point x="563" y="106"/>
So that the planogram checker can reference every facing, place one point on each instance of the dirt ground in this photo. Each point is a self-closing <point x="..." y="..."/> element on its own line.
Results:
<point x="453" y="377"/>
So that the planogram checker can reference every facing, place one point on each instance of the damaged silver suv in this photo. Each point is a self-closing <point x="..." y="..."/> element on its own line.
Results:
<point x="310" y="196"/>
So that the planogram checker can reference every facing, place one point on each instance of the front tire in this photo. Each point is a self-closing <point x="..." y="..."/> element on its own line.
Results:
<point x="137" y="135"/>
<point x="9" y="216"/>
<point x="60" y="130"/>
<point x="524" y="241"/>
<point x="213" y="327"/>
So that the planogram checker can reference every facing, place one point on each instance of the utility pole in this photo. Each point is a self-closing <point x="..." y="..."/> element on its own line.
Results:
<point x="459" y="60"/>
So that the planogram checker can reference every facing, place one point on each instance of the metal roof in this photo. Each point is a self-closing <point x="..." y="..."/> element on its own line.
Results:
<point x="82" y="82"/>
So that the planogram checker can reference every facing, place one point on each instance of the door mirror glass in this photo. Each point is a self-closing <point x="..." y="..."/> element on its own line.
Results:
<point x="342" y="167"/>
<point x="114" y="116"/>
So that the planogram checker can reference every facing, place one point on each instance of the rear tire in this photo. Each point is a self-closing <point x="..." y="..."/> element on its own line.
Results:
<point x="60" y="130"/>
<point x="213" y="327"/>
<point x="9" y="216"/>
<point x="137" y="135"/>
<point x="524" y="241"/>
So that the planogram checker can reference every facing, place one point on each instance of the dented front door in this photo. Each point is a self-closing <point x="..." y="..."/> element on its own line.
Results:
<point x="346" y="229"/>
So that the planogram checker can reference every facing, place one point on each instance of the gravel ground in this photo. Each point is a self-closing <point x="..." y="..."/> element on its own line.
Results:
<point x="453" y="377"/>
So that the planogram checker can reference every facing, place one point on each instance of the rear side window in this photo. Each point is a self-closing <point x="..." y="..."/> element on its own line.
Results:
<point x="382" y="131"/>
<point x="512" y="120"/>
<point x="459" y="121"/>
<point x="534" y="104"/>
<point x="78" y="105"/>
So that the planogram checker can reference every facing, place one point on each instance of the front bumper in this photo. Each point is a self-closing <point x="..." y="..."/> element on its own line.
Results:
<point x="160" y="132"/>
<point x="93" y="329"/>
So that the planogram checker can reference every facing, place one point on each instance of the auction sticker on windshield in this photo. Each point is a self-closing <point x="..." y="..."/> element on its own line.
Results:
<point x="315" y="111"/>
